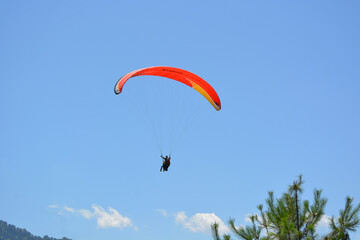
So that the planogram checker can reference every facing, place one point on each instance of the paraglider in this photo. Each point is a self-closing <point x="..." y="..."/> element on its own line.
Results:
<point x="188" y="78"/>
<point x="166" y="163"/>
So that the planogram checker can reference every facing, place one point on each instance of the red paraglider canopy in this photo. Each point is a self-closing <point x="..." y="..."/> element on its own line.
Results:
<point x="177" y="74"/>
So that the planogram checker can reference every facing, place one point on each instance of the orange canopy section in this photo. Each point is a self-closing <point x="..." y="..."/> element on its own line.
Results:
<point x="176" y="74"/>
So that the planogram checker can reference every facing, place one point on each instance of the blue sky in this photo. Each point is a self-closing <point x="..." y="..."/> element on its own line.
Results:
<point x="78" y="161"/>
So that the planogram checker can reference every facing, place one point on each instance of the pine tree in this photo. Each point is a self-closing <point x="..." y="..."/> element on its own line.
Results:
<point x="291" y="218"/>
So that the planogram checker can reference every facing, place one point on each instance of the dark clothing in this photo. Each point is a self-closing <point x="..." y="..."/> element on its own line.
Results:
<point x="166" y="163"/>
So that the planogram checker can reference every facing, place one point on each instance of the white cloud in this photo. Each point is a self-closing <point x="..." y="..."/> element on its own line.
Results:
<point x="110" y="219"/>
<point x="162" y="211"/>
<point x="86" y="213"/>
<point x="323" y="225"/>
<point x="105" y="219"/>
<point x="324" y="221"/>
<point x="69" y="209"/>
<point x="200" y="222"/>
<point x="180" y="217"/>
